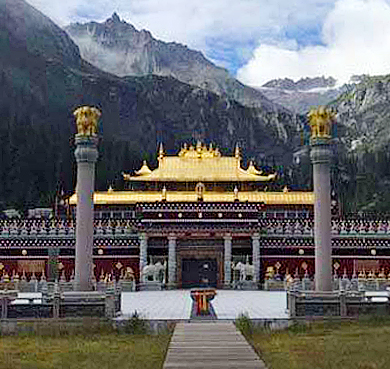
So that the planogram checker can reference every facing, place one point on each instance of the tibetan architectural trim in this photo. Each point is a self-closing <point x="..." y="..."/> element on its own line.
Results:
<point x="134" y="197"/>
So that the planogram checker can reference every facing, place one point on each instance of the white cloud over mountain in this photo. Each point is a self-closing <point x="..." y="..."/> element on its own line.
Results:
<point x="356" y="40"/>
<point x="194" y="22"/>
<point x="355" y="36"/>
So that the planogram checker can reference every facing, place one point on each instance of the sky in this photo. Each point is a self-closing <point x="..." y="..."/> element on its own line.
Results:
<point x="257" y="40"/>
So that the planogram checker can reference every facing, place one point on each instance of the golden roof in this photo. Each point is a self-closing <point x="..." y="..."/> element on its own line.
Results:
<point x="133" y="197"/>
<point x="199" y="164"/>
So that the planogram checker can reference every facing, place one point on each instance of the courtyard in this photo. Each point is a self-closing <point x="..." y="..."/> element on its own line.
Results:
<point x="227" y="304"/>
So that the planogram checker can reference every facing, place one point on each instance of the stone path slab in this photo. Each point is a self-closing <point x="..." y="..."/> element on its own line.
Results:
<point x="212" y="344"/>
<point x="159" y="305"/>
<point x="229" y="304"/>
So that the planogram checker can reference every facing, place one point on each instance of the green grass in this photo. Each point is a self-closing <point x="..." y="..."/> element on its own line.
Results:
<point x="82" y="351"/>
<point x="325" y="345"/>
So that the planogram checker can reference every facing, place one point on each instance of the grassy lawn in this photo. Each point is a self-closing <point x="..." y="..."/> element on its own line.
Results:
<point x="114" y="351"/>
<point x="343" y="345"/>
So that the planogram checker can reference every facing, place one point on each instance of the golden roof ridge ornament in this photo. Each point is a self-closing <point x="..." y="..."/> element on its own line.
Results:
<point x="321" y="120"/>
<point x="199" y="152"/>
<point x="126" y="177"/>
<point x="252" y="169"/>
<point x="144" y="169"/>
<point x="87" y="120"/>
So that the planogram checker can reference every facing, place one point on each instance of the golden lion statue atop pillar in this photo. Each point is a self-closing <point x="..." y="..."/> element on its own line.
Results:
<point x="87" y="120"/>
<point x="321" y="121"/>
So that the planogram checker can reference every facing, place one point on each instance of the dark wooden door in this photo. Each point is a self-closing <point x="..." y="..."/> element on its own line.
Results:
<point x="199" y="273"/>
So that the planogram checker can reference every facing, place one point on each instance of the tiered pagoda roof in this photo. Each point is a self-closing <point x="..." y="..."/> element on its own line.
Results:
<point x="197" y="165"/>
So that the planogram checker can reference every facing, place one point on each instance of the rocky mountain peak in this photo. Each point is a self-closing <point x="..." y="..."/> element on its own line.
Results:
<point x="117" y="47"/>
<point x="114" y="18"/>
<point x="303" y="84"/>
<point x="303" y="94"/>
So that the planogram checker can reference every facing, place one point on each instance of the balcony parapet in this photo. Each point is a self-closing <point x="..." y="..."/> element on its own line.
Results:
<point x="292" y="228"/>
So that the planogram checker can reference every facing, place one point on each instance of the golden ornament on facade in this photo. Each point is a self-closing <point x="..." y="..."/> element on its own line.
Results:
<point x="321" y="120"/>
<point x="87" y="120"/>
<point x="200" y="189"/>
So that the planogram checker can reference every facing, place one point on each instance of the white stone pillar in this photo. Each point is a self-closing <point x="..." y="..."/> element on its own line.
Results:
<point x="172" y="261"/>
<point x="86" y="155"/>
<point x="143" y="254"/>
<point x="256" y="258"/>
<point x="228" y="260"/>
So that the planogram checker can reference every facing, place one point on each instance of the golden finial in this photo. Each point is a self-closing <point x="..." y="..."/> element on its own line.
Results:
<point x="87" y="120"/>
<point x="183" y="150"/>
<point x="161" y="152"/>
<point x="126" y="177"/>
<point x="237" y="152"/>
<point x="321" y="120"/>
<point x="199" y="148"/>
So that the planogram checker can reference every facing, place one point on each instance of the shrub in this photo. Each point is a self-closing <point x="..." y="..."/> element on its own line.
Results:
<point x="136" y="325"/>
<point x="245" y="325"/>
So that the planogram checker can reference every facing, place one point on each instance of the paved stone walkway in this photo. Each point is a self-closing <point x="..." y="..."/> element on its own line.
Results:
<point x="229" y="304"/>
<point x="177" y="304"/>
<point x="212" y="344"/>
<point x="158" y="305"/>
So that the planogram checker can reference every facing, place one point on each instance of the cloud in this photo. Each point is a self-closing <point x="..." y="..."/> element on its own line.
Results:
<point x="355" y="40"/>
<point x="204" y="25"/>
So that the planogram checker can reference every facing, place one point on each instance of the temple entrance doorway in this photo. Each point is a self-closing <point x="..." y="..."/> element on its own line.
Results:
<point x="199" y="263"/>
<point x="199" y="273"/>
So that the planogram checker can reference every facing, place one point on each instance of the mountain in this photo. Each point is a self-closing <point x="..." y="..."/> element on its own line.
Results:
<point x="364" y="111"/>
<point x="364" y="138"/>
<point x="303" y="84"/>
<point x="303" y="94"/>
<point x="118" y="48"/>
<point x="361" y="174"/>
<point x="44" y="78"/>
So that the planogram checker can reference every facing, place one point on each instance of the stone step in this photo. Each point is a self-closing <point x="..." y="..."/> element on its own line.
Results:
<point x="212" y="356"/>
<point x="224" y="364"/>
